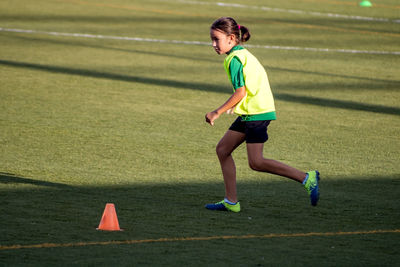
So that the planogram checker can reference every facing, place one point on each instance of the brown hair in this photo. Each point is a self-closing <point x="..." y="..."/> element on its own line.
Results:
<point x="229" y="26"/>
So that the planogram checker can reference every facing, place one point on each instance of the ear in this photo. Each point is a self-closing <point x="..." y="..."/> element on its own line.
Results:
<point x="232" y="38"/>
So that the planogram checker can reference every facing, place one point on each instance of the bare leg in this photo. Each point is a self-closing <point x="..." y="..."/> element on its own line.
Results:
<point x="259" y="163"/>
<point x="228" y="143"/>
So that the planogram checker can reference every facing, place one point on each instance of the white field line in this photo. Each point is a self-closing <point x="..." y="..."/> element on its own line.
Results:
<point x="139" y="39"/>
<point x="291" y="11"/>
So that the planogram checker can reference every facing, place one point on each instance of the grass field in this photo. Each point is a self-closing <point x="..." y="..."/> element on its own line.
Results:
<point x="89" y="118"/>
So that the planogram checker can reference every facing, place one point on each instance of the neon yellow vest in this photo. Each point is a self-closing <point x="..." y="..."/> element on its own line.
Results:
<point x="259" y="98"/>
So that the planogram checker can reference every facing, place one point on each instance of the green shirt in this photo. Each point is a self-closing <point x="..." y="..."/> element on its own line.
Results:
<point x="236" y="69"/>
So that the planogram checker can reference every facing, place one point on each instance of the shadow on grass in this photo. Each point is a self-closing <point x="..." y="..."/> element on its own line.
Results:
<point x="391" y="83"/>
<point x="343" y="104"/>
<point x="37" y="212"/>
<point x="7" y="178"/>
<point x="202" y="86"/>
<point x="80" y="43"/>
<point x="160" y="210"/>
<point x="114" y="76"/>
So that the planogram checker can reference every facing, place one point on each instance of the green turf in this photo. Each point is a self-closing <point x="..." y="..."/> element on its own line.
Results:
<point x="89" y="121"/>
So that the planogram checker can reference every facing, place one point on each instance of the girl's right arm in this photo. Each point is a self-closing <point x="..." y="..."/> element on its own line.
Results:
<point x="239" y="94"/>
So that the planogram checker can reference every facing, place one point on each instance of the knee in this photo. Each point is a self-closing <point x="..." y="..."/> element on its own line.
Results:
<point x="256" y="164"/>
<point x="222" y="151"/>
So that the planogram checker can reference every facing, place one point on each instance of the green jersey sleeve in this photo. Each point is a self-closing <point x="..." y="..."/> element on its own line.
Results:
<point x="236" y="71"/>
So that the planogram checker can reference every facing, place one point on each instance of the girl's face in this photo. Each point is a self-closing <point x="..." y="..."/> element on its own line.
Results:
<point x="221" y="42"/>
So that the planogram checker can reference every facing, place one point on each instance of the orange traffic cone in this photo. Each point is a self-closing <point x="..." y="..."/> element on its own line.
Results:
<point x="109" y="220"/>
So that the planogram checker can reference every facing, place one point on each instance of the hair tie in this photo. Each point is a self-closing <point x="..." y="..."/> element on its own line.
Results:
<point x="239" y="26"/>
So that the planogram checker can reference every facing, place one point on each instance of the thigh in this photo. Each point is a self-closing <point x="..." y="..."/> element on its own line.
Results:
<point x="230" y="141"/>
<point x="255" y="152"/>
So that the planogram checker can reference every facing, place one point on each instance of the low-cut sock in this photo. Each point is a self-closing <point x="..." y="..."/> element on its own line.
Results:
<point x="305" y="179"/>
<point x="229" y="202"/>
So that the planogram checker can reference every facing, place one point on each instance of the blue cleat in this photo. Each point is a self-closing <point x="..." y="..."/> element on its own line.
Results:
<point x="223" y="206"/>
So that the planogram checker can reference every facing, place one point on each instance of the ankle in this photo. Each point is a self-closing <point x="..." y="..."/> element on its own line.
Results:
<point x="305" y="179"/>
<point x="229" y="201"/>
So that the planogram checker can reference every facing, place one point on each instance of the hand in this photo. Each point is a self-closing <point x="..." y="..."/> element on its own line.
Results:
<point x="230" y="111"/>
<point x="211" y="117"/>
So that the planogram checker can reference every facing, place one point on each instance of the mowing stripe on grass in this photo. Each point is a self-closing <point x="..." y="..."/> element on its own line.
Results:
<point x="291" y="11"/>
<point x="127" y="7"/>
<point x="353" y="3"/>
<point x="183" y="239"/>
<point x="175" y="12"/>
<point x="139" y="39"/>
<point x="235" y="5"/>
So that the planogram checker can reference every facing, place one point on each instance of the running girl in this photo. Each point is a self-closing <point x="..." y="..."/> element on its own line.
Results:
<point x="253" y="102"/>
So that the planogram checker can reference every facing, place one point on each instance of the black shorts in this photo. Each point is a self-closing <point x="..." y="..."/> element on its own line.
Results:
<point x="255" y="131"/>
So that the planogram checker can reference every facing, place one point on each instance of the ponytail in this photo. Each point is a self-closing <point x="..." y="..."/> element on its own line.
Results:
<point x="244" y="33"/>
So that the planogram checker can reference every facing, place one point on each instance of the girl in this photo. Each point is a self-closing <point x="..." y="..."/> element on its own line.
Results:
<point x="253" y="102"/>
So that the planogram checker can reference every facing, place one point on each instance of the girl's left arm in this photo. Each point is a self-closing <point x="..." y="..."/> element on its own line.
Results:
<point x="239" y="94"/>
